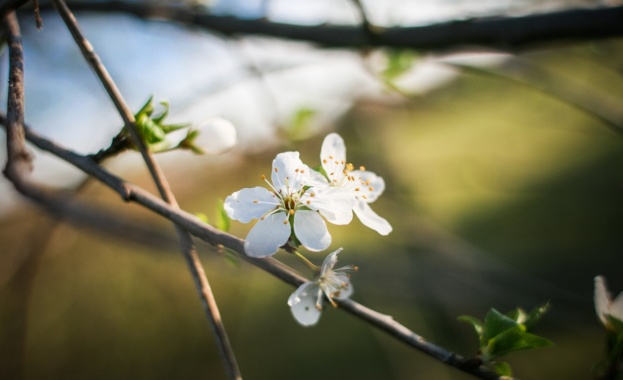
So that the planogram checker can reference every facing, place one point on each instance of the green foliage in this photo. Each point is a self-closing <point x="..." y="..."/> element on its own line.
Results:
<point x="501" y="334"/>
<point x="152" y="128"/>
<point x="300" y="125"/>
<point x="222" y="220"/>
<point x="398" y="62"/>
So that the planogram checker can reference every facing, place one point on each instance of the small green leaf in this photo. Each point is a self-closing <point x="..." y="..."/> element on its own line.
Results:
<point x="203" y="217"/>
<point x="514" y="339"/>
<point x="223" y="222"/>
<point x="535" y="315"/>
<point x="160" y="118"/>
<point x="476" y="323"/>
<point x="502" y="368"/>
<point x="301" y="123"/>
<point x="146" y="109"/>
<point x="398" y="62"/>
<point x="496" y="323"/>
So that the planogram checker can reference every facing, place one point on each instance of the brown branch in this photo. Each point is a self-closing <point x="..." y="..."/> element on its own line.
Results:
<point x="497" y="32"/>
<point x="187" y="246"/>
<point x="196" y="227"/>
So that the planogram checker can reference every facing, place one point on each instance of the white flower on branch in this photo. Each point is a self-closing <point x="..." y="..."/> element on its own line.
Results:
<point x="306" y="303"/>
<point x="214" y="136"/>
<point x="364" y="186"/>
<point x="290" y="209"/>
<point x="605" y="306"/>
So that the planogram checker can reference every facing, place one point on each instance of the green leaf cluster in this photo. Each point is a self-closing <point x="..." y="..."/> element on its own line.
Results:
<point x="151" y="125"/>
<point x="501" y="334"/>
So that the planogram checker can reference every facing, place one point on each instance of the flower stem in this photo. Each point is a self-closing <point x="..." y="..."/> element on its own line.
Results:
<point x="311" y="265"/>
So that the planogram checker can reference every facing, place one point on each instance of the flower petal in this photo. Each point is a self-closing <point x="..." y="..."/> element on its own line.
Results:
<point x="289" y="172"/>
<point x="602" y="299"/>
<point x="268" y="235"/>
<point x="311" y="230"/>
<point x="333" y="203"/>
<point x="250" y="203"/>
<point x="303" y="304"/>
<point x="371" y="219"/>
<point x="216" y="136"/>
<point x="329" y="262"/>
<point x="372" y="186"/>
<point x="333" y="154"/>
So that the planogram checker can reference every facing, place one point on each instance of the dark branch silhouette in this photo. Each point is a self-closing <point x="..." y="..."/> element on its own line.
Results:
<point x="497" y="32"/>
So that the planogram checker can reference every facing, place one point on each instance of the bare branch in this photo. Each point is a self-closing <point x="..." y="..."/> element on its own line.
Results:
<point x="196" y="227"/>
<point x="187" y="246"/>
<point x="497" y="32"/>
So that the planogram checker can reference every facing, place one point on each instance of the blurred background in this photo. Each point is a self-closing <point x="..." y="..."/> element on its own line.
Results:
<point x="504" y="174"/>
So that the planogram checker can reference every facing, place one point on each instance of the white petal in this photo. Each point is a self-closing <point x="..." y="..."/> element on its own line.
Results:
<point x="329" y="261"/>
<point x="333" y="154"/>
<point x="311" y="230"/>
<point x="268" y="235"/>
<point x="602" y="299"/>
<point x="333" y="203"/>
<point x="344" y="292"/>
<point x="372" y="186"/>
<point x="250" y="203"/>
<point x="317" y="180"/>
<point x="303" y="304"/>
<point x="216" y="136"/>
<point x="289" y="172"/>
<point x="371" y="219"/>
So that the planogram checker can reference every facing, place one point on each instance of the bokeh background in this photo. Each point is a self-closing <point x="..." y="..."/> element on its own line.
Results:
<point x="504" y="187"/>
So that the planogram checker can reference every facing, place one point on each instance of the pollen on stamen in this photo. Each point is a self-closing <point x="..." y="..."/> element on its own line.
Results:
<point x="256" y="201"/>
<point x="308" y="202"/>
<point x="371" y="188"/>
<point x="319" y="307"/>
<point x="355" y="268"/>
<point x="356" y="189"/>
<point x="337" y="162"/>
<point x="362" y="168"/>
<point x="302" y="171"/>
<point x="296" y="170"/>
<point x="330" y="157"/>
<point x="276" y="169"/>
<point x="285" y="221"/>
<point x="350" y="167"/>
<point x="364" y="197"/>
<point x="312" y="194"/>
<point x="263" y="177"/>
<point x="324" y="161"/>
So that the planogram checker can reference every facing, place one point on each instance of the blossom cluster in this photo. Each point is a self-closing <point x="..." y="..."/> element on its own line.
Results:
<point x="292" y="210"/>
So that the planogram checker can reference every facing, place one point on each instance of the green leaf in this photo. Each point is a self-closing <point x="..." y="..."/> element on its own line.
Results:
<point x="502" y="368"/>
<point x="301" y="123"/>
<point x="146" y="109"/>
<point x="536" y="314"/>
<point x="476" y="324"/>
<point x="168" y="128"/>
<point x="398" y="62"/>
<point x="203" y="217"/>
<point x="150" y="131"/>
<point x="514" y="339"/>
<point x="496" y="323"/>
<point x="160" y="118"/>
<point x="223" y="222"/>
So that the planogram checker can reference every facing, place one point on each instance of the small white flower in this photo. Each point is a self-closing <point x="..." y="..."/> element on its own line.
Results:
<point x="363" y="185"/>
<point x="214" y="136"/>
<point x="604" y="305"/>
<point x="306" y="302"/>
<point x="289" y="207"/>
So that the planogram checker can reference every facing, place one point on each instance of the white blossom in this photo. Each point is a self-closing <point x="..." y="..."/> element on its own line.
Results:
<point x="364" y="186"/>
<point x="306" y="303"/>
<point x="604" y="305"/>
<point x="289" y="208"/>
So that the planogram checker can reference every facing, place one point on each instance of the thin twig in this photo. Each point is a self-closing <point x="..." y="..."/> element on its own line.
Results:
<point x="498" y="32"/>
<point x="198" y="228"/>
<point x="188" y="248"/>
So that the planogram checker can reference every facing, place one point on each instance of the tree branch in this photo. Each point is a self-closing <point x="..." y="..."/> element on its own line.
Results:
<point x="496" y="32"/>
<point x="187" y="246"/>
<point x="196" y="227"/>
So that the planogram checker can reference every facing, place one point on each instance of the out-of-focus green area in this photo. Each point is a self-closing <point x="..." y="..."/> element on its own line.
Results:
<point x="500" y="196"/>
